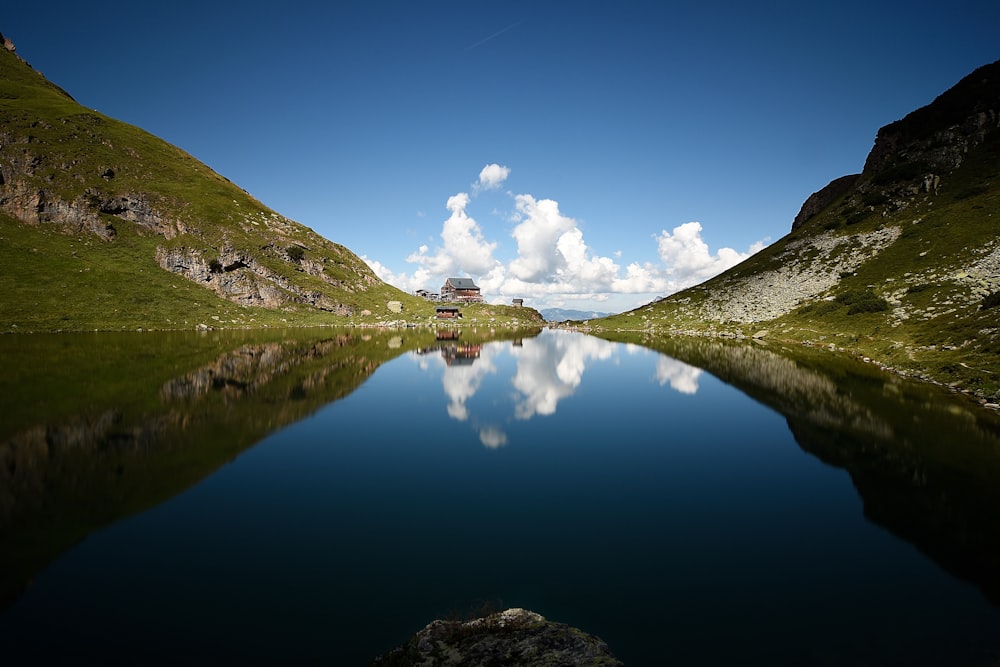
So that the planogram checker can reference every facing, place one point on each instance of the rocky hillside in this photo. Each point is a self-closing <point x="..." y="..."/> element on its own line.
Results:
<point x="900" y="263"/>
<point x="103" y="225"/>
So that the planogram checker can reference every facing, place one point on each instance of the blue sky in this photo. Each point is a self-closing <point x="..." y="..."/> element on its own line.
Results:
<point x="574" y="154"/>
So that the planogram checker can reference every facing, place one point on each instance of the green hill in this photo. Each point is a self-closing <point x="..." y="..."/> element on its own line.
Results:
<point x="900" y="263"/>
<point x="105" y="226"/>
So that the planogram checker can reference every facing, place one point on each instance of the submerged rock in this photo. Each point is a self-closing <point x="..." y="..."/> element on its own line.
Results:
<point x="511" y="637"/>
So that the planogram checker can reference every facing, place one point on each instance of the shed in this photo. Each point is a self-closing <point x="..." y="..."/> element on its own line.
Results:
<point x="447" y="313"/>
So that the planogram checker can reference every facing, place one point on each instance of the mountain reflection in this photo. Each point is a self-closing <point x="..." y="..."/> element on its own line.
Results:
<point x="94" y="428"/>
<point x="925" y="462"/>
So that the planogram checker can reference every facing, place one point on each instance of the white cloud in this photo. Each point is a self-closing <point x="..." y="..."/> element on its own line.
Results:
<point x="687" y="259"/>
<point x="553" y="264"/>
<point x="403" y="280"/>
<point x="491" y="177"/>
<point x="538" y="237"/>
<point x="465" y="249"/>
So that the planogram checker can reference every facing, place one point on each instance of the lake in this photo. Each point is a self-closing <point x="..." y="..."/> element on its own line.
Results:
<point x="316" y="496"/>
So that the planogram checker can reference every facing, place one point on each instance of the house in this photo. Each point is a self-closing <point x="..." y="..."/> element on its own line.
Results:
<point x="461" y="289"/>
<point x="518" y="302"/>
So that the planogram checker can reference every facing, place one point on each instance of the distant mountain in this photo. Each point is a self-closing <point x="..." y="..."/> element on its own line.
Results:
<point x="562" y="314"/>
<point x="103" y="225"/>
<point x="900" y="263"/>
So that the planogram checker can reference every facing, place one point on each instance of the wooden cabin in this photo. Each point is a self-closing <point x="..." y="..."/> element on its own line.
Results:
<point x="447" y="313"/>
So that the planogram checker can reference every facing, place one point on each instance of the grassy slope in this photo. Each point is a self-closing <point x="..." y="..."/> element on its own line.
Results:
<point x="933" y="325"/>
<point x="64" y="277"/>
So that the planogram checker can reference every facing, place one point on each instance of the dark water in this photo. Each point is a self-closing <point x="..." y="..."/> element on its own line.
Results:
<point x="316" y="497"/>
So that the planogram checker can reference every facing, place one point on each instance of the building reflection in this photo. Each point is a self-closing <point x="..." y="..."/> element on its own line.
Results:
<point x="452" y="350"/>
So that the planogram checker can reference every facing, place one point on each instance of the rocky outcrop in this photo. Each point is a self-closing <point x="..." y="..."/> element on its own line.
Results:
<point x="942" y="133"/>
<point x="25" y="195"/>
<point x="36" y="206"/>
<point x="239" y="277"/>
<point x="910" y="155"/>
<point x="511" y="637"/>
<point x="820" y="199"/>
<point x="808" y="268"/>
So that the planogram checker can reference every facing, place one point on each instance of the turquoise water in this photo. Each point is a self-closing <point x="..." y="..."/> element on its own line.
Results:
<point x="603" y="485"/>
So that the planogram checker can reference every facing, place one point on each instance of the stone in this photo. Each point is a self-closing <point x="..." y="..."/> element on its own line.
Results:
<point x="511" y="637"/>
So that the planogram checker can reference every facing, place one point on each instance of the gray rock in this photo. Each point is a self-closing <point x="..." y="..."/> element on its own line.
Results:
<point x="511" y="637"/>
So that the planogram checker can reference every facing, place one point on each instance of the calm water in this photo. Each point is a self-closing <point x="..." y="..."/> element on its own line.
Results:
<point x="317" y="497"/>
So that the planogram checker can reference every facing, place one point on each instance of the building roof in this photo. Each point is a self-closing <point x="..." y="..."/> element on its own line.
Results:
<point x="461" y="283"/>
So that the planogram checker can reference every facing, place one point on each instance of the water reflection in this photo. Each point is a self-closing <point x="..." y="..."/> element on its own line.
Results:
<point x="925" y="463"/>
<point x="677" y="374"/>
<point x="97" y="427"/>
<point x="548" y="369"/>
<point x="618" y="476"/>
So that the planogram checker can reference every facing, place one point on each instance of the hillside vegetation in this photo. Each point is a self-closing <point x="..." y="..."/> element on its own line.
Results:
<point x="105" y="226"/>
<point x="900" y="264"/>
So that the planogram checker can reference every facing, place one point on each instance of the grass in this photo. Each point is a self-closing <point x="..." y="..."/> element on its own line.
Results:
<point x="66" y="277"/>
<point x="912" y="307"/>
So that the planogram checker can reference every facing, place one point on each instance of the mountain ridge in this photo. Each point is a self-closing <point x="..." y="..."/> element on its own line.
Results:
<point x="107" y="226"/>
<point x="563" y="314"/>
<point x="899" y="264"/>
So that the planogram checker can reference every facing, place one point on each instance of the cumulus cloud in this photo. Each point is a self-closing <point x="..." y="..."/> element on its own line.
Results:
<point x="553" y="264"/>
<point x="492" y="177"/>
<point x="465" y="249"/>
<point x="553" y="259"/>
<point x="687" y="259"/>
<point x="539" y="236"/>
<point x="402" y="280"/>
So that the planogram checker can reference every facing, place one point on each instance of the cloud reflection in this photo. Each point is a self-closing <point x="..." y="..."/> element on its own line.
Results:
<point x="462" y="380"/>
<point x="493" y="437"/>
<point x="549" y="368"/>
<point x="681" y="377"/>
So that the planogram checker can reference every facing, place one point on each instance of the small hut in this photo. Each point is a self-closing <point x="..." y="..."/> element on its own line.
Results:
<point x="447" y="313"/>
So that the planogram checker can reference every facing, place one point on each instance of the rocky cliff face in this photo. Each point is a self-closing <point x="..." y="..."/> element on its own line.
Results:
<point x="940" y="135"/>
<point x="820" y="199"/>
